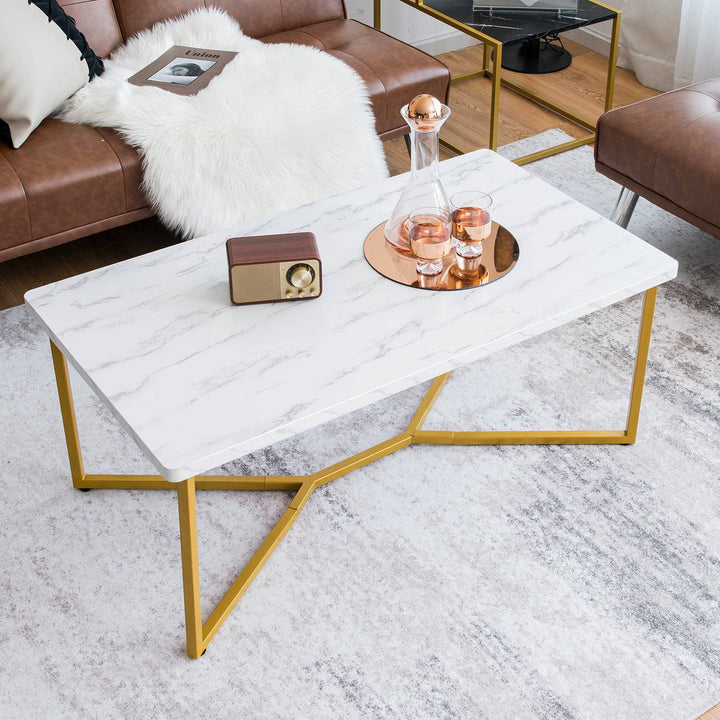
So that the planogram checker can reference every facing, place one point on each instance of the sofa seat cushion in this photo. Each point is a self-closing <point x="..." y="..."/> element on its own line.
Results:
<point x="667" y="149"/>
<point x="383" y="62"/>
<point x="70" y="176"/>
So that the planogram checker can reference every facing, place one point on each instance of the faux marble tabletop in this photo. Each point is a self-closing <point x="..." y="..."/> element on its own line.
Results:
<point x="510" y="26"/>
<point x="198" y="381"/>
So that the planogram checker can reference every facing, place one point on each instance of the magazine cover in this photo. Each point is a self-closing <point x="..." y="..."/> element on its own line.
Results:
<point x="183" y="70"/>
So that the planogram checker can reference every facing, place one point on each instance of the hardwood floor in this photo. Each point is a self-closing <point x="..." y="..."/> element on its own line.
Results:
<point x="19" y="275"/>
<point x="581" y="86"/>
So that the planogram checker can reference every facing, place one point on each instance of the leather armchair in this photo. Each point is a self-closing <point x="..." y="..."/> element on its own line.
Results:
<point x="667" y="150"/>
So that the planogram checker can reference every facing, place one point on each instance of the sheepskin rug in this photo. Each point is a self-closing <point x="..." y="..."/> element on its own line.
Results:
<point x="280" y="126"/>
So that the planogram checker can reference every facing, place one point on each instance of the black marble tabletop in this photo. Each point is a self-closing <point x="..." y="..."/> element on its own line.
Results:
<point x="514" y="26"/>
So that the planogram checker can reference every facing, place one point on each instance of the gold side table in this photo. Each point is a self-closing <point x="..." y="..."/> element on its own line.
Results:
<point x="493" y="30"/>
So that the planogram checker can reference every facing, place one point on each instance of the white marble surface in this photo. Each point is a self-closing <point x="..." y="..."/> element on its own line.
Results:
<point x="198" y="381"/>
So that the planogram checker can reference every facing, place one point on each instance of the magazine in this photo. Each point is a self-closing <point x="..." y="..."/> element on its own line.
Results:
<point x="183" y="70"/>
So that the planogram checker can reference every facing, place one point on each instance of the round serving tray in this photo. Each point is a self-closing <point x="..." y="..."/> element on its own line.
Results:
<point x="499" y="256"/>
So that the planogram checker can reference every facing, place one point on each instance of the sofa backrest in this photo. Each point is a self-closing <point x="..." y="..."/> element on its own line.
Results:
<point x="97" y="21"/>
<point x="256" y="17"/>
<point x="106" y="23"/>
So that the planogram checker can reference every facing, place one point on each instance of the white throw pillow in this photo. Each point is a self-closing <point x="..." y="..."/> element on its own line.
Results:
<point x="41" y="63"/>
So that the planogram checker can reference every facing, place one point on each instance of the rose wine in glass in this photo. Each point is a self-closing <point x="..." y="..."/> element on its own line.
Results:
<point x="471" y="222"/>
<point x="430" y="238"/>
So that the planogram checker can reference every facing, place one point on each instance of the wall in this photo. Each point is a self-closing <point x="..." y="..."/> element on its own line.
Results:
<point x="410" y="25"/>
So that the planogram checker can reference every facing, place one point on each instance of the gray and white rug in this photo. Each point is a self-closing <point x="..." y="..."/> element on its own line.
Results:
<point x="440" y="582"/>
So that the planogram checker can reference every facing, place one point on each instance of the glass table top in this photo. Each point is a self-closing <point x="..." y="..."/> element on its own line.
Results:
<point x="514" y="26"/>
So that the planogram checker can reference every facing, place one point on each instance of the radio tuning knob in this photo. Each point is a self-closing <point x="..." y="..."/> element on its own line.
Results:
<point x="300" y="276"/>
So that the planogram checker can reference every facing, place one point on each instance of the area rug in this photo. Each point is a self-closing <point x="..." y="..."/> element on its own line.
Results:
<point x="280" y="126"/>
<point x="440" y="582"/>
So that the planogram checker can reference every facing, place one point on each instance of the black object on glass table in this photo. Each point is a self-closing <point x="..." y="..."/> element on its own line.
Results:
<point x="537" y="55"/>
<point x="528" y="29"/>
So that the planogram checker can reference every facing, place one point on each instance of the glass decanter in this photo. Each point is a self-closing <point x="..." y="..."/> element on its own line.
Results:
<point x="425" y="115"/>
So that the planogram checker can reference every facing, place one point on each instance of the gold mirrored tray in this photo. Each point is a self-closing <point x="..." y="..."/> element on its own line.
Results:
<point x="499" y="256"/>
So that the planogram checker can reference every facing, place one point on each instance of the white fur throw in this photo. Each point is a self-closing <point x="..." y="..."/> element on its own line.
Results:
<point x="280" y="126"/>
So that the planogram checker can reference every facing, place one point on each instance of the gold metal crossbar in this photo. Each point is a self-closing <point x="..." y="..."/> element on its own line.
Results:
<point x="200" y="634"/>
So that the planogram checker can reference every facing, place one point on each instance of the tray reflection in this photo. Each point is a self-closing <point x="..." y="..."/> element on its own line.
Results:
<point x="499" y="256"/>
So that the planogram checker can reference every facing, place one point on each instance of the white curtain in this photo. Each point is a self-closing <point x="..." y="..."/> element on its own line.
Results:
<point x="649" y="39"/>
<point x="698" y="52"/>
<point x="670" y="43"/>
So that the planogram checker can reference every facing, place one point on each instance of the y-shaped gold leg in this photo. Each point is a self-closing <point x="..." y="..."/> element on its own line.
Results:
<point x="200" y="634"/>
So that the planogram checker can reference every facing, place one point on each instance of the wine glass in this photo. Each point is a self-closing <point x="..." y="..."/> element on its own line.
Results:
<point x="471" y="221"/>
<point x="430" y="238"/>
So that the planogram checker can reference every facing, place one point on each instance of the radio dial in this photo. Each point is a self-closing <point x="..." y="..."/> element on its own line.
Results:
<point x="300" y="276"/>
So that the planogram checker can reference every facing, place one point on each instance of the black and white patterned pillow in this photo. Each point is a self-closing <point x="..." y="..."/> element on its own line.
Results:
<point x="44" y="60"/>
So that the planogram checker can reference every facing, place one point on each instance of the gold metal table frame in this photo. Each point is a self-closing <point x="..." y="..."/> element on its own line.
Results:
<point x="199" y="633"/>
<point x="492" y="68"/>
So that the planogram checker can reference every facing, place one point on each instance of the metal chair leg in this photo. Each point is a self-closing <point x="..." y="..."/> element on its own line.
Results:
<point x="624" y="207"/>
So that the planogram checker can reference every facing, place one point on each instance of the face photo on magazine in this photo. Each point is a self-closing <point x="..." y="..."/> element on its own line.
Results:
<point x="181" y="71"/>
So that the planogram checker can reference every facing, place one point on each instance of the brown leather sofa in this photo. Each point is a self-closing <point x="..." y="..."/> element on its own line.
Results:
<point x="667" y="150"/>
<point x="67" y="181"/>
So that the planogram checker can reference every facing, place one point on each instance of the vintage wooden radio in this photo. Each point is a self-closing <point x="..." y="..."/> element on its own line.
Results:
<point x="270" y="268"/>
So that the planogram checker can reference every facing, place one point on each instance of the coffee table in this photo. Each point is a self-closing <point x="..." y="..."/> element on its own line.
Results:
<point x="198" y="382"/>
<point x="499" y="29"/>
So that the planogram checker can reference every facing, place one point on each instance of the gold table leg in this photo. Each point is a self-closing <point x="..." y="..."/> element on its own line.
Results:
<point x="200" y="634"/>
<point x="612" y="57"/>
<point x="190" y="567"/>
<point x="496" y="77"/>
